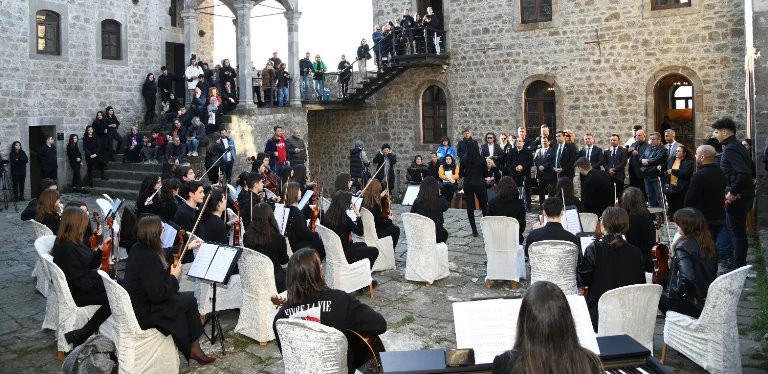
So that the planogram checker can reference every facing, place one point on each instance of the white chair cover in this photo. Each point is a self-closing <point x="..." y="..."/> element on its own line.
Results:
<point x="630" y="310"/>
<point x="311" y="347"/>
<point x="187" y="283"/>
<point x="258" y="287"/>
<point x="386" y="259"/>
<point x="427" y="261"/>
<point x="138" y="351"/>
<point x="340" y="274"/>
<point x="43" y="287"/>
<point x="106" y="197"/>
<point x="506" y="257"/>
<point x="712" y="340"/>
<point x="43" y="246"/>
<point x="70" y="316"/>
<point x="588" y="221"/>
<point x="554" y="261"/>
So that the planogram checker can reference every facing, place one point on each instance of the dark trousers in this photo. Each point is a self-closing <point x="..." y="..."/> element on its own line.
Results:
<point x="227" y="166"/>
<point x="545" y="188"/>
<point x="447" y="190"/>
<point x="637" y="182"/>
<point x="675" y="201"/>
<point x="470" y="191"/>
<point x="113" y="135"/>
<point x="17" y="181"/>
<point x="49" y="171"/>
<point x="149" y="115"/>
<point x="678" y="305"/>
<point x="736" y="217"/>
<point x="724" y="243"/>
<point x="101" y="315"/>
<point x="94" y="164"/>
<point x="344" y="85"/>
<point x="359" y="251"/>
<point x="77" y="180"/>
<point x="269" y="97"/>
<point x="185" y="327"/>
<point x="391" y="230"/>
<point x="257" y="95"/>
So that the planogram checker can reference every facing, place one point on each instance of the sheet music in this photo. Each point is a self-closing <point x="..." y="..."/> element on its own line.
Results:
<point x="281" y="216"/>
<point x="585" y="242"/>
<point x="222" y="261"/>
<point x="305" y="199"/>
<point x="169" y="235"/>
<point x="489" y="326"/>
<point x="410" y="195"/>
<point x="448" y="174"/>
<point x="358" y="202"/>
<point x="571" y="220"/>
<point x="203" y="258"/>
<point x="115" y="206"/>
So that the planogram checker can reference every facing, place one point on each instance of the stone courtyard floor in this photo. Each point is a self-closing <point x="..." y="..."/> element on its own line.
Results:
<point x="418" y="317"/>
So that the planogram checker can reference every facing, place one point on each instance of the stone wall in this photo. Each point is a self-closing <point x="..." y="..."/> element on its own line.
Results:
<point x="760" y="34"/>
<point x="493" y="58"/>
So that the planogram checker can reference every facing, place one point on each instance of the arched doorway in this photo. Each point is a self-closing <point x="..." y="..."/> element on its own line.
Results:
<point x="540" y="107"/>
<point x="674" y="107"/>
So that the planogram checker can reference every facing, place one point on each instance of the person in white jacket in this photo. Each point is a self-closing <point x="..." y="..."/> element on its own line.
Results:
<point x="190" y="75"/>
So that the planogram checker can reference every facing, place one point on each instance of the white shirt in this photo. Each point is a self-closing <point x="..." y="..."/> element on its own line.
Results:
<point x="490" y="150"/>
<point x="227" y="155"/>
<point x="192" y="72"/>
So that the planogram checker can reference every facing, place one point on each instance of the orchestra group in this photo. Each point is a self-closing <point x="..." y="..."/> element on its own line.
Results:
<point x="704" y="200"/>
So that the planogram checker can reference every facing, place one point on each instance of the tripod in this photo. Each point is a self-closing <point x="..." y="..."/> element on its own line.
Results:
<point x="216" y="330"/>
<point x="4" y="186"/>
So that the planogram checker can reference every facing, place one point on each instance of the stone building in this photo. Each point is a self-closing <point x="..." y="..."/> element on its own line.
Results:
<point x="589" y="66"/>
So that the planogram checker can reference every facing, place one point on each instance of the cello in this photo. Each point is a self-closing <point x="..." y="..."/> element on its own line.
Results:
<point x="660" y="252"/>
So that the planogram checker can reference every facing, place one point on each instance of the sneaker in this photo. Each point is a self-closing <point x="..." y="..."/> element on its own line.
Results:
<point x="194" y="154"/>
<point x="189" y="153"/>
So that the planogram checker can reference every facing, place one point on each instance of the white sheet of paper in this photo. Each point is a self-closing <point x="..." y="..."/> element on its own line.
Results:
<point x="281" y="216"/>
<point x="410" y="195"/>
<point x="221" y="263"/>
<point x="115" y="206"/>
<point x="305" y="199"/>
<point x="585" y="242"/>
<point x="169" y="235"/>
<point x="448" y="174"/>
<point x="489" y="326"/>
<point x="203" y="259"/>
<point x="571" y="221"/>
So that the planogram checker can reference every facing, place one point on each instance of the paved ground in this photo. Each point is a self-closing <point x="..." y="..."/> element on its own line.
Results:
<point x="418" y="317"/>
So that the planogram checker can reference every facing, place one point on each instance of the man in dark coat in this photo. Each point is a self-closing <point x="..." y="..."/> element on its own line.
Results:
<point x="709" y="188"/>
<point x="615" y="161"/>
<point x="544" y="159"/>
<point x="358" y="165"/>
<point x="592" y="152"/>
<point x="596" y="188"/>
<point x="387" y="158"/>
<point x="654" y="158"/>
<point x="553" y="229"/>
<point x="165" y="84"/>
<point x="635" y="153"/>
<point x="565" y="156"/>
<point x="461" y="145"/>
<point x="47" y="158"/>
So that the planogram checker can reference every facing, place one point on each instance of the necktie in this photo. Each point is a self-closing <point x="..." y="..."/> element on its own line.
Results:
<point x="559" y="152"/>
<point x="613" y="157"/>
<point x="669" y="150"/>
<point x="589" y="152"/>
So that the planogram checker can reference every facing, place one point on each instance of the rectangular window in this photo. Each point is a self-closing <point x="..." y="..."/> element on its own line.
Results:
<point x="669" y="4"/>
<point x="533" y="11"/>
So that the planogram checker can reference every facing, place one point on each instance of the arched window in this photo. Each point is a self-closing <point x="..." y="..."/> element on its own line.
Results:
<point x="110" y="39"/>
<point x="48" y="33"/>
<point x="682" y="97"/>
<point x="533" y="11"/>
<point x="540" y="107"/>
<point x="434" y="115"/>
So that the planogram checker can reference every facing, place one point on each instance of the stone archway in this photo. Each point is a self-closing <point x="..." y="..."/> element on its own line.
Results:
<point x="698" y="98"/>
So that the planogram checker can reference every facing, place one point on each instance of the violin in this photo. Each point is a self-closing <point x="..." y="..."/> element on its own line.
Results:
<point x="177" y="256"/>
<point x="386" y="202"/>
<point x="315" y="213"/>
<point x="236" y="228"/>
<point x="660" y="252"/>
<point x="94" y="239"/>
<point x="106" y="250"/>
<point x="271" y="182"/>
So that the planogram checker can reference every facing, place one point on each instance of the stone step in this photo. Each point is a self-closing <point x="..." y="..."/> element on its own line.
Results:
<point x="114" y="192"/>
<point x="118" y="184"/>
<point x="131" y="174"/>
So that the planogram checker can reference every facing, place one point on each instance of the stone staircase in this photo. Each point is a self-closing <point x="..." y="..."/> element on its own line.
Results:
<point x="124" y="179"/>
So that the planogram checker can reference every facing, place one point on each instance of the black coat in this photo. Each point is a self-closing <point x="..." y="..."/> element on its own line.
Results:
<point x="737" y="167"/>
<point x="547" y="160"/>
<point x="642" y="234"/>
<point x="149" y="90"/>
<point x="473" y="172"/>
<point x="379" y="160"/>
<point x="514" y="208"/>
<point x="708" y="194"/>
<point x="690" y="274"/>
<point x="596" y="191"/>
<point x="567" y="159"/>
<point x="298" y="233"/>
<point x="617" y="162"/>
<point x="596" y="157"/>
<point x="19" y="162"/>
<point x="461" y="146"/>
<point x="212" y="229"/>
<point x="498" y="153"/>
<point x="51" y="221"/>
<point x="683" y="173"/>
<point x="356" y="164"/>
<point x="634" y="160"/>
<point x="91" y="146"/>
<point x="277" y="251"/>
<point x="73" y="153"/>
<point x="47" y="156"/>
<point x="79" y="264"/>
<point x="519" y="157"/>
<point x="435" y="213"/>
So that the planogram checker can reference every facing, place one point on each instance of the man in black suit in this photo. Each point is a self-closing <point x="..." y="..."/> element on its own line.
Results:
<point x="592" y="152"/>
<point x="544" y="159"/>
<point x="635" y="153"/>
<point x="565" y="156"/>
<point x="708" y="184"/>
<point x="552" y="230"/>
<point x="596" y="187"/>
<point x="615" y="161"/>
<point x="461" y="145"/>
<point x="543" y="133"/>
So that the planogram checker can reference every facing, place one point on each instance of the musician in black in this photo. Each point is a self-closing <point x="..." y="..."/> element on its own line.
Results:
<point x="213" y="227"/>
<point x="345" y="75"/>
<point x="474" y="172"/>
<point x="47" y="158"/>
<point x="507" y="203"/>
<point x="417" y="171"/>
<point x="641" y="232"/>
<point x="519" y="162"/>
<point x="387" y="158"/>
<point x="263" y="236"/>
<point x="310" y="298"/>
<point x="186" y="215"/>
<point x="296" y="230"/>
<point x="372" y="200"/>
<point x="155" y="293"/>
<point x="252" y="195"/>
<point x="337" y="220"/>
<point x="552" y="208"/>
<point x="546" y="340"/>
<point x="596" y="187"/>
<point x="149" y="188"/>
<point x="79" y="264"/>
<point x="564" y="192"/>
<point x="49" y="209"/>
<point x="169" y="193"/>
<point x="429" y="204"/>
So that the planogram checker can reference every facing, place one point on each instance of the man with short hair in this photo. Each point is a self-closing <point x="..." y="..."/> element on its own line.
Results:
<point x="225" y="145"/>
<point x="709" y="188"/>
<point x="736" y="166"/>
<point x="671" y="143"/>
<point x="565" y="156"/>
<point x="186" y="215"/>
<point x="165" y="84"/>
<point x="176" y="148"/>
<point x="615" y="161"/>
<point x="318" y="70"/>
<point x="277" y="150"/>
<point x="596" y="188"/>
<point x="592" y="152"/>
<point x="297" y="151"/>
<point x="528" y="143"/>
<point x="543" y="133"/>
<point x="545" y="174"/>
<point x="635" y="152"/>
<point x="275" y="60"/>
<point x="190" y="74"/>
<point x="461" y="145"/>
<point x="305" y="71"/>
<point x="654" y="162"/>
<point x="552" y="208"/>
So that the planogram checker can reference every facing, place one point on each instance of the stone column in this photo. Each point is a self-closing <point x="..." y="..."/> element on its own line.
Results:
<point x="293" y="56"/>
<point x="243" y="41"/>
<point x="189" y="17"/>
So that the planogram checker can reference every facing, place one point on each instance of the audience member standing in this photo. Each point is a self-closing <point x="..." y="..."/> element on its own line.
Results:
<point x="376" y="39"/>
<point x="269" y="83"/>
<point x="491" y="149"/>
<point x="474" y="172"/>
<point x="709" y="187"/>
<point x="592" y="152"/>
<point x="225" y="144"/>
<point x="228" y="74"/>
<point x="519" y="164"/>
<point x="305" y="71"/>
<point x="112" y="124"/>
<point x="297" y="150"/>
<point x="149" y="93"/>
<point x="615" y="163"/>
<point x="19" y="160"/>
<point x="283" y="81"/>
<point x="363" y="55"/>
<point x="93" y="158"/>
<point x="47" y="158"/>
<point x="345" y="75"/>
<point x="653" y="163"/>
<point x="461" y="145"/>
<point x="75" y="158"/>
<point x="277" y="150"/>
<point x="680" y="169"/>
<point x="635" y="152"/>
<point x="319" y="69"/>
<point x="596" y="188"/>
<point x="165" y="84"/>
<point x="544" y="159"/>
<point x="190" y="74"/>
<point x="565" y="156"/>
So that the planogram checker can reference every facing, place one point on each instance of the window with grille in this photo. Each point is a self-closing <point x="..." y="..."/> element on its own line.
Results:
<point x="48" y="33"/>
<point x="434" y="115"/>
<point x="540" y="107"/>
<point x="669" y="4"/>
<point x="110" y="40"/>
<point x="533" y="11"/>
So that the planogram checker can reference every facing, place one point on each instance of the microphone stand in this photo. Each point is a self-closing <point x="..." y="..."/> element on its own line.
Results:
<point x="215" y="163"/>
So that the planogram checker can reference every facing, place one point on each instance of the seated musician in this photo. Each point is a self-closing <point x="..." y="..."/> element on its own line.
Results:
<point x="507" y="203"/>
<point x="49" y="209"/>
<point x="149" y="185"/>
<point x="29" y="212"/>
<point x="155" y="293"/>
<point x="187" y="214"/>
<point x="79" y="264"/>
<point x="169" y="194"/>
<point x="553" y="229"/>
<point x="434" y="166"/>
<point x="429" y="204"/>
<point x="212" y="227"/>
<point x="343" y="182"/>
<point x="546" y="340"/>
<point x="300" y="177"/>
<point x="694" y="265"/>
<point x="449" y="176"/>
<point x="372" y="201"/>
<point x="88" y="229"/>
<point x="342" y="311"/>
<point x="610" y="262"/>
<point x="417" y="171"/>
<point x="263" y="236"/>
<point x="296" y="230"/>
<point x="252" y="195"/>
<point x="641" y="232"/>
<point x="336" y="219"/>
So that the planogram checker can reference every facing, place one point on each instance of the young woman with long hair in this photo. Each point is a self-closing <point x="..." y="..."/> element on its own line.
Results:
<point x="694" y="265"/>
<point x="149" y="185"/>
<point x="212" y="227"/>
<point x="507" y="203"/>
<point x="169" y="190"/>
<point x="336" y="219"/>
<point x="546" y="340"/>
<point x="155" y="294"/>
<point x="100" y="130"/>
<point x="307" y="289"/>
<point x="384" y="225"/>
<point x="93" y="152"/>
<point x="263" y="236"/>
<point x="474" y="172"/>
<point x="296" y="230"/>
<point x="149" y="93"/>
<point x="449" y="177"/>
<point x="641" y="232"/>
<point x="75" y="158"/>
<point x="49" y="209"/>
<point x="429" y="204"/>
<point x="19" y="161"/>
<point x="610" y="262"/>
<point x="79" y="264"/>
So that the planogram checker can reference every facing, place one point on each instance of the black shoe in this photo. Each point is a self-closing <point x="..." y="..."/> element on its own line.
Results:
<point x="475" y="233"/>
<point x="76" y="337"/>
<point x="374" y="283"/>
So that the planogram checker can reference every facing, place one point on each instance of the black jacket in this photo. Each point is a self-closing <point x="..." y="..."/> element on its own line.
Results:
<point x="642" y="234"/>
<point x="690" y="274"/>
<point x="212" y="229"/>
<point x="656" y="156"/>
<point x="514" y="208"/>
<point x="547" y="160"/>
<point x="277" y="252"/>
<point x="634" y="160"/>
<point x="596" y="157"/>
<point x="567" y="159"/>
<point x="683" y="173"/>
<point x="111" y="121"/>
<point x="305" y="67"/>
<point x="708" y="194"/>
<point x="165" y="82"/>
<point x="73" y="153"/>
<point x="227" y="74"/>
<point x="79" y="264"/>
<point x="19" y="162"/>
<point x="345" y="71"/>
<point x="356" y="165"/>
<point x="461" y="146"/>
<point x="149" y="90"/>
<point x="737" y="167"/>
<point x="379" y="160"/>
<point x="617" y="162"/>
<point x="498" y="153"/>
<point x="519" y="157"/>
<point x="47" y="155"/>
<point x="552" y="231"/>
<point x="473" y="173"/>
<point x="435" y="213"/>
<point x="596" y="192"/>
<point x="91" y="147"/>
<point x="297" y="232"/>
